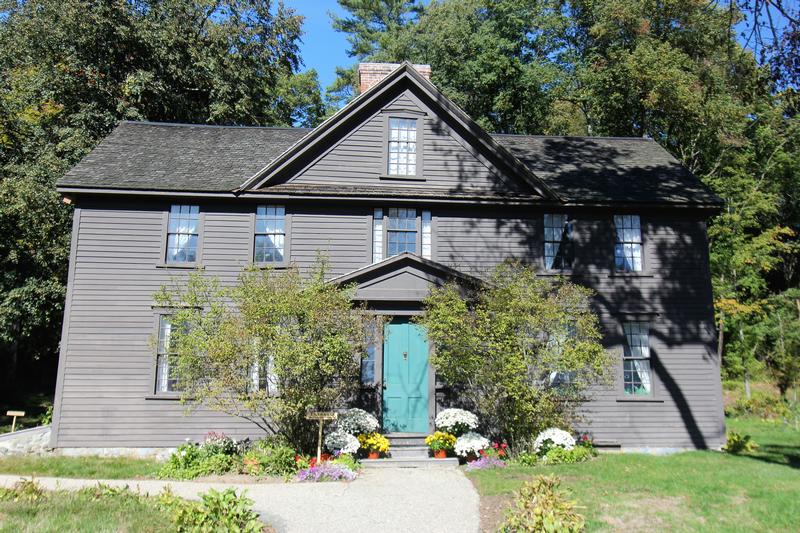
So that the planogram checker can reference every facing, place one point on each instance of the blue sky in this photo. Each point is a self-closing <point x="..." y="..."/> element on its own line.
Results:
<point x="323" y="48"/>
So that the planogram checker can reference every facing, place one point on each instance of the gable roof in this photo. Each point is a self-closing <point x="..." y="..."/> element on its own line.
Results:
<point x="337" y="125"/>
<point x="404" y="277"/>
<point x="179" y="157"/>
<point x="609" y="169"/>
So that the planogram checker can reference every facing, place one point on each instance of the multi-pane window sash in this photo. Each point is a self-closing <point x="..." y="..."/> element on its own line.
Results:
<point x="183" y="233"/>
<point x="262" y="377"/>
<point x="402" y="147"/>
<point x="166" y="381"/>
<point x="557" y="242"/>
<point x="270" y="234"/>
<point x="636" y="361"/>
<point x="556" y="342"/>
<point x="368" y="365"/>
<point x="377" y="235"/>
<point x="628" y="247"/>
<point x="401" y="231"/>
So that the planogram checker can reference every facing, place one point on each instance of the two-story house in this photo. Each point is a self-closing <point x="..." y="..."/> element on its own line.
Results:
<point x="401" y="190"/>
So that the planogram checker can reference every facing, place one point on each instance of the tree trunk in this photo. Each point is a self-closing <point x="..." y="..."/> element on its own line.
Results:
<point x="746" y="369"/>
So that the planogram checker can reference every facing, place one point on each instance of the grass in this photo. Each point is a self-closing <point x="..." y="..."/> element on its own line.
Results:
<point x="85" y="510"/>
<point x="692" y="491"/>
<point x="79" y="467"/>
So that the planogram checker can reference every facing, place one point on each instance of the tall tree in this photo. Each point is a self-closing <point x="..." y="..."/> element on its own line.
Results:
<point x="69" y="70"/>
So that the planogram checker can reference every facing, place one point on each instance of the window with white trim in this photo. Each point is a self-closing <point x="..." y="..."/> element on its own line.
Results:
<point x="263" y="377"/>
<point x="166" y="381"/>
<point x="398" y="230"/>
<point x="368" y="365"/>
<point x="183" y="233"/>
<point x="270" y="234"/>
<point x="402" y="155"/>
<point x="628" y="246"/>
<point x="557" y="341"/>
<point x="557" y="242"/>
<point x="636" y="359"/>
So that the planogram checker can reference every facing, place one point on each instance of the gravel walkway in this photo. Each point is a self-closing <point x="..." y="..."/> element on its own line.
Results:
<point x="382" y="499"/>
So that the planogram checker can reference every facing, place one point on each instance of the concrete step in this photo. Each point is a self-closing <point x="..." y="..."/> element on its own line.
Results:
<point x="406" y="462"/>
<point x="406" y="439"/>
<point x="409" y="451"/>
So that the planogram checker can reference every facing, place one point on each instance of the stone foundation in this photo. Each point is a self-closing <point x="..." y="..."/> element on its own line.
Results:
<point x="34" y="441"/>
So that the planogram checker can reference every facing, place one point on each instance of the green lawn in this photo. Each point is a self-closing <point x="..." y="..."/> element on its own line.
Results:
<point x="82" y="511"/>
<point x="79" y="467"/>
<point x="692" y="491"/>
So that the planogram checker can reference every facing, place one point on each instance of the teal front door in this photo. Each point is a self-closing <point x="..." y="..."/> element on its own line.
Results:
<point x="405" y="377"/>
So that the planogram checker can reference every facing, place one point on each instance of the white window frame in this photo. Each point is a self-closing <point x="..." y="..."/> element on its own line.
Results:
<point x="174" y="216"/>
<point x="278" y="214"/>
<point x="558" y="233"/>
<point x="379" y="233"/>
<point x="628" y="244"/>
<point x="636" y="360"/>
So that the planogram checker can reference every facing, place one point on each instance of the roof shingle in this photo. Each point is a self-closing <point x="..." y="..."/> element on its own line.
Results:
<point x="195" y="158"/>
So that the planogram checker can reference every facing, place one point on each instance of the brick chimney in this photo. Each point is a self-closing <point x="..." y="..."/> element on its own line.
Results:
<point x="371" y="73"/>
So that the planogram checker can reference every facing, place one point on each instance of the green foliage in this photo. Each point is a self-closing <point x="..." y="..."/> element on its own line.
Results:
<point x="348" y="461"/>
<point x="736" y="443"/>
<point x="541" y="506"/>
<point x="190" y="461"/>
<point x="499" y="346"/>
<point x="760" y="405"/>
<point x="62" y="89"/>
<point x="25" y="490"/>
<point x="300" y="332"/>
<point x="557" y="455"/>
<point x="269" y="458"/>
<point x="218" y="511"/>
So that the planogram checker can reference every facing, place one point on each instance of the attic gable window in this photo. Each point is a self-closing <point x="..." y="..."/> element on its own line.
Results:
<point x="402" y="160"/>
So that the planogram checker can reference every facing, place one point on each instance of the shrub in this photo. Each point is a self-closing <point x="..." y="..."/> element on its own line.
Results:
<point x="553" y="437"/>
<point x="339" y="441"/>
<point x="556" y="455"/>
<point x="440" y="440"/>
<point x="218" y="443"/>
<point x="218" y="511"/>
<point x="526" y="458"/>
<point x="348" y="461"/>
<point x="456" y="421"/>
<point x="541" y="506"/>
<point x="355" y="421"/>
<point x="374" y="442"/>
<point x="760" y="405"/>
<point x="470" y="444"/>
<point x="737" y="443"/>
<point x="326" y="471"/>
<point x="190" y="461"/>
<point x="269" y="458"/>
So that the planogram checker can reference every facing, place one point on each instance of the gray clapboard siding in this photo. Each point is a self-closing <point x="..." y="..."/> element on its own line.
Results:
<point x="447" y="162"/>
<point x="108" y="357"/>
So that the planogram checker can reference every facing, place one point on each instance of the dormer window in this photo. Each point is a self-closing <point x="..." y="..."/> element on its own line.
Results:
<point x="402" y="150"/>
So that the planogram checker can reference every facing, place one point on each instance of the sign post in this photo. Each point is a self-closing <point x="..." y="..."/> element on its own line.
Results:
<point x="15" y="414"/>
<point x="322" y="417"/>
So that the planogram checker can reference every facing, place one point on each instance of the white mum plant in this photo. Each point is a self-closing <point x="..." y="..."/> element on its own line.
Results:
<point x="558" y="437"/>
<point x="355" y="421"/>
<point x="341" y="441"/>
<point x="470" y="444"/>
<point x="456" y="421"/>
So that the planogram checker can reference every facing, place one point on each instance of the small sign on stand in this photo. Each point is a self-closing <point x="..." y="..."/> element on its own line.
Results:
<point x="15" y="414"/>
<point x="322" y="417"/>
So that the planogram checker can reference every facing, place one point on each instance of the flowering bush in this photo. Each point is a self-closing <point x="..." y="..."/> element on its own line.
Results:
<point x="484" y="462"/>
<point x="553" y="437"/>
<point x="470" y="444"/>
<point x="326" y="471"/>
<point x="501" y="449"/>
<point x="440" y="440"/>
<point x="355" y="421"/>
<point x="374" y="442"/>
<point x="215" y="443"/>
<point x="456" y="421"/>
<point x="342" y="442"/>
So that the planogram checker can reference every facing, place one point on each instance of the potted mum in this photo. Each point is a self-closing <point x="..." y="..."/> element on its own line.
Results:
<point x="440" y="443"/>
<point x="470" y="445"/>
<point x="456" y="421"/>
<point x="374" y="444"/>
